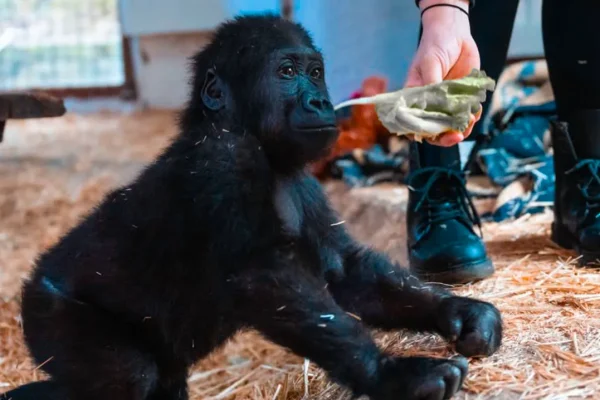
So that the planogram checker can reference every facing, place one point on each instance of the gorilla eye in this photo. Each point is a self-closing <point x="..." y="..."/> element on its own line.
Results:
<point x="287" y="71"/>
<point x="316" y="73"/>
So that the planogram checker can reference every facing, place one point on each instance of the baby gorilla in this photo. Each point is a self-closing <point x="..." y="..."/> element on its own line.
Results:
<point x="226" y="231"/>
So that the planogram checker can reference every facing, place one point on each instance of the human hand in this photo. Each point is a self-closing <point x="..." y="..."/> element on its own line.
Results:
<point x="446" y="51"/>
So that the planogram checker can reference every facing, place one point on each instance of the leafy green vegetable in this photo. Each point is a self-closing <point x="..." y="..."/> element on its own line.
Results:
<point x="427" y="111"/>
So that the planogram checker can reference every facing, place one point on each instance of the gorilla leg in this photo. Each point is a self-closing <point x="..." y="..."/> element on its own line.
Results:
<point x="88" y="353"/>
<point x="50" y="390"/>
<point x="46" y="390"/>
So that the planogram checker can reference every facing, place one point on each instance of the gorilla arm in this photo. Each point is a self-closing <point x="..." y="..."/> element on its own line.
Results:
<point x="294" y="309"/>
<point x="387" y="296"/>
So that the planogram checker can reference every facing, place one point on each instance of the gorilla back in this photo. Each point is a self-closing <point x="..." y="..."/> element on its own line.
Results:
<point x="226" y="231"/>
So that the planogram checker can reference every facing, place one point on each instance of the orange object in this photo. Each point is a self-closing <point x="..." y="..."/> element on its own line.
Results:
<point x="361" y="131"/>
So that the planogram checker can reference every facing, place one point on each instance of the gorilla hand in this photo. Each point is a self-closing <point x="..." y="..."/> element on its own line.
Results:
<point x="474" y="326"/>
<point x="420" y="378"/>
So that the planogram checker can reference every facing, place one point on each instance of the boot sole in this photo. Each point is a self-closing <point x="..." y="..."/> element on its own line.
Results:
<point x="562" y="237"/>
<point x="459" y="274"/>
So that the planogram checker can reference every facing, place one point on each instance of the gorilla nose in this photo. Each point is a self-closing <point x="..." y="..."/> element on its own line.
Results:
<point x="316" y="103"/>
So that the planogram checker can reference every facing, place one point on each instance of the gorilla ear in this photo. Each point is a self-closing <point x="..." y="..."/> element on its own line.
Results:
<point x="213" y="91"/>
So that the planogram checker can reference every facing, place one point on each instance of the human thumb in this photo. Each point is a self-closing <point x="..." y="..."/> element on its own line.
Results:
<point x="414" y="77"/>
<point x="424" y="72"/>
<point x="430" y="70"/>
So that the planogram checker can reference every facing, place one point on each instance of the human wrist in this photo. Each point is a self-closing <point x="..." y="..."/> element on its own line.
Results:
<point x="452" y="11"/>
<point x="464" y="4"/>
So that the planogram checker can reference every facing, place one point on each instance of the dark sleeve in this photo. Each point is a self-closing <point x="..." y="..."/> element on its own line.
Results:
<point x="471" y="3"/>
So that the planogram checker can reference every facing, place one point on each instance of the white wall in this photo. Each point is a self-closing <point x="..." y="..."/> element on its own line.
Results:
<point x="154" y="17"/>
<point x="166" y="33"/>
<point x="161" y="67"/>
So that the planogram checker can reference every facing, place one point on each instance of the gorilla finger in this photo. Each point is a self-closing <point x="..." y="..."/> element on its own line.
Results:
<point x="474" y="344"/>
<point x="450" y="327"/>
<point x="431" y="389"/>
<point x="462" y="364"/>
<point x="453" y="381"/>
<point x="452" y="386"/>
<point x="495" y="343"/>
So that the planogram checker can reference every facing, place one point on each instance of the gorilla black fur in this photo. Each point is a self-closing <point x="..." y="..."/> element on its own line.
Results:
<point x="225" y="231"/>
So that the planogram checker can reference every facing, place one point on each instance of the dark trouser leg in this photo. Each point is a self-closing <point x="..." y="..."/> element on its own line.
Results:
<point x="443" y="246"/>
<point x="491" y="26"/>
<point x="572" y="46"/>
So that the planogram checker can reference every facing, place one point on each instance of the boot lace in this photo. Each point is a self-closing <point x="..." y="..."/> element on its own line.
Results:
<point x="590" y="187"/>
<point x="453" y="201"/>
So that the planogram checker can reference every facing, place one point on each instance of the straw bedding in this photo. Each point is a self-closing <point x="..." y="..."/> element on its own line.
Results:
<point x="53" y="171"/>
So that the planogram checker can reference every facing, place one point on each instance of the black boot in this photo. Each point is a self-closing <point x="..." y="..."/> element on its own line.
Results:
<point x="443" y="246"/>
<point x="577" y="195"/>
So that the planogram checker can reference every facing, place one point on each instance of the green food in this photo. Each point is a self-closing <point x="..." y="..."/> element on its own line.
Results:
<point x="427" y="111"/>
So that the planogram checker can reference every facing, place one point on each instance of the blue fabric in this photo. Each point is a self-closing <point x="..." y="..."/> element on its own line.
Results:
<point x="516" y="150"/>
<point x="372" y="166"/>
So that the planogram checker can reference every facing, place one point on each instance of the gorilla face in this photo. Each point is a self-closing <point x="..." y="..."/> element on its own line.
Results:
<point x="298" y="118"/>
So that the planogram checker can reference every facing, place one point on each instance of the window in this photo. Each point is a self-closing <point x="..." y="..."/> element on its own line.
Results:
<point x="60" y="44"/>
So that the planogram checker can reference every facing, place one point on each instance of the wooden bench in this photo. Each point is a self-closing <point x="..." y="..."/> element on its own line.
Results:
<point x="25" y="105"/>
